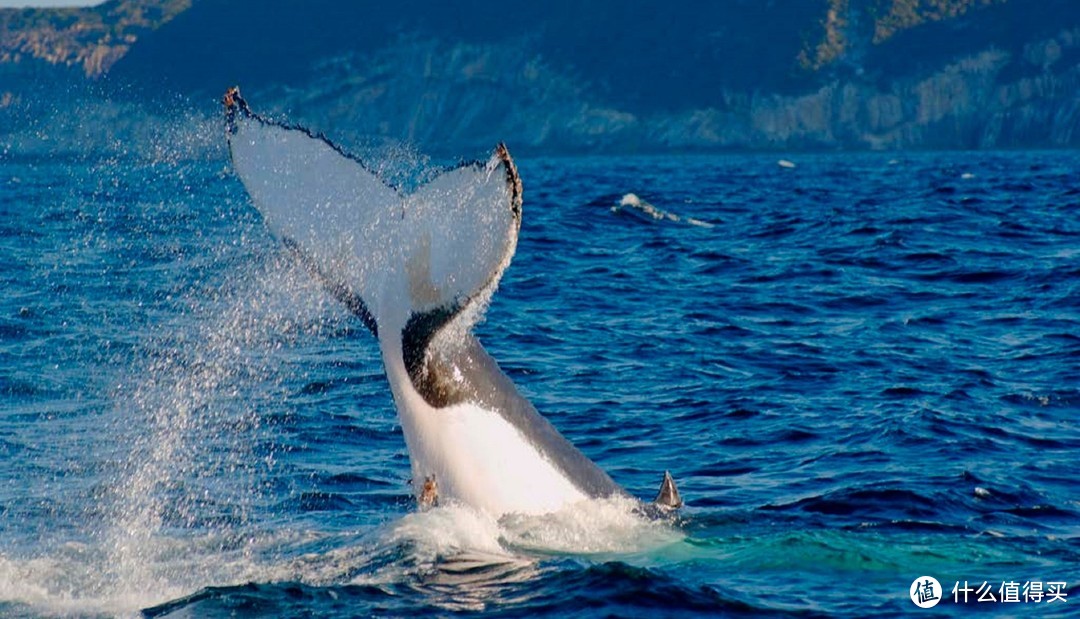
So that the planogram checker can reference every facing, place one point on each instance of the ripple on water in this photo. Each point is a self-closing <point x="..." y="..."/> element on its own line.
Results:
<point x="864" y="370"/>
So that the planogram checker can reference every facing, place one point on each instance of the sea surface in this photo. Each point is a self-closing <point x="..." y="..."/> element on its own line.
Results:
<point x="861" y="369"/>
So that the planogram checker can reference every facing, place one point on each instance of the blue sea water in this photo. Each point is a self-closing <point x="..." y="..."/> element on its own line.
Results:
<point x="861" y="370"/>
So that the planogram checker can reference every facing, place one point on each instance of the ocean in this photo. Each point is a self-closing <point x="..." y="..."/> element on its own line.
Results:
<point x="862" y="370"/>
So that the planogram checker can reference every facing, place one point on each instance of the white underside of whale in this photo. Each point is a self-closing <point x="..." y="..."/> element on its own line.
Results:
<point x="477" y="457"/>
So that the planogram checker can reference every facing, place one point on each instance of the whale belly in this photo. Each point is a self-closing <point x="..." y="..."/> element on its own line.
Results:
<point x="481" y="460"/>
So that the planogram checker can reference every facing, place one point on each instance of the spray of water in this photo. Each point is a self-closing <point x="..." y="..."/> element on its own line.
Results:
<point x="179" y="452"/>
<point x="190" y="449"/>
<point x="201" y="449"/>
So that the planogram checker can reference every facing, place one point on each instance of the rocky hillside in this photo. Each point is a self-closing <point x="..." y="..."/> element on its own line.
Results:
<point x="91" y="39"/>
<point x="615" y="76"/>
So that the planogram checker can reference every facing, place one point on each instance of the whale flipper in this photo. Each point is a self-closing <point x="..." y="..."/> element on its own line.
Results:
<point x="668" y="497"/>
<point x="418" y="268"/>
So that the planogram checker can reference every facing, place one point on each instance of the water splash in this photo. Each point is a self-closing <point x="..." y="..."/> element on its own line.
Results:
<point x="146" y="357"/>
<point x="462" y="559"/>
<point x="198" y="452"/>
<point x="190" y="445"/>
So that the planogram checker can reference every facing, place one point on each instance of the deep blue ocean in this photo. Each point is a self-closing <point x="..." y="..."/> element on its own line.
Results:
<point x="861" y="369"/>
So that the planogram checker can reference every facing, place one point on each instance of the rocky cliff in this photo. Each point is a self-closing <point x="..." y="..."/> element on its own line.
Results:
<point x="612" y="77"/>
<point x="91" y="39"/>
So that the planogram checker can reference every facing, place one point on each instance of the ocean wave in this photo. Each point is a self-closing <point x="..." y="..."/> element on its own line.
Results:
<point x="631" y="204"/>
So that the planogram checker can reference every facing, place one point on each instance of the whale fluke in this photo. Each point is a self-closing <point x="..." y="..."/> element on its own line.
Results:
<point x="668" y="496"/>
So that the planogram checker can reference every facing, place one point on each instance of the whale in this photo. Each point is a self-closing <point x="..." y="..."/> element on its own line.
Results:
<point x="418" y="268"/>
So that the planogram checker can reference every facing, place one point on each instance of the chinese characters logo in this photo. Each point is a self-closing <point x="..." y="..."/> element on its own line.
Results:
<point x="926" y="592"/>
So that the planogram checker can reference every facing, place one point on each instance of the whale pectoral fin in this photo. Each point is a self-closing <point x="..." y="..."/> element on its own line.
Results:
<point x="668" y="497"/>
<point x="330" y="210"/>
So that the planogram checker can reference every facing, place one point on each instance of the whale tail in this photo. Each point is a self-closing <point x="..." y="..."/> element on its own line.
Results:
<point x="388" y="255"/>
<point x="418" y="268"/>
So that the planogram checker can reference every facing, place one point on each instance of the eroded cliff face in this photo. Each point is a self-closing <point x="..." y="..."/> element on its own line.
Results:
<point x="474" y="95"/>
<point x="993" y="98"/>
<point x="858" y="74"/>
